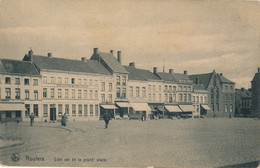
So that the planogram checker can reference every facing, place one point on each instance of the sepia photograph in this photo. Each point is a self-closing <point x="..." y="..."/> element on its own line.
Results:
<point x="130" y="83"/>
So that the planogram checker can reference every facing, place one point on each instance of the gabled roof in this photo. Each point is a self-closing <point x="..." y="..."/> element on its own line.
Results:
<point x="140" y="74"/>
<point x="204" y="79"/>
<point x="110" y="61"/>
<point x="17" y="67"/>
<point x="61" y="64"/>
<point x="243" y="93"/>
<point x="166" y="77"/>
<point x="181" y="78"/>
<point x="198" y="87"/>
<point x="224" y="79"/>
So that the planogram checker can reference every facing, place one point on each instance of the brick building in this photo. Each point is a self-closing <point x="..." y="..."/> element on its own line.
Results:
<point x="243" y="102"/>
<point x="255" y="86"/>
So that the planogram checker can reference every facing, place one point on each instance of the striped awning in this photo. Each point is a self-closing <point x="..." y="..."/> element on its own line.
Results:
<point x="12" y="107"/>
<point x="123" y="104"/>
<point x="141" y="107"/>
<point x="206" y="107"/>
<point x="109" y="106"/>
<point x="173" y="108"/>
<point x="186" y="108"/>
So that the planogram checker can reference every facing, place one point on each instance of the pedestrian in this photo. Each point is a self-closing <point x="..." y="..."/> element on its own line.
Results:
<point x="143" y="118"/>
<point x="32" y="119"/>
<point x="64" y="119"/>
<point x="106" y="118"/>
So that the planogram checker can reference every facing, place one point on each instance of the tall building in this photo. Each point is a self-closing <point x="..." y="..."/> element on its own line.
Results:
<point x="255" y="85"/>
<point x="243" y="102"/>
<point x="221" y="91"/>
<point x="20" y="90"/>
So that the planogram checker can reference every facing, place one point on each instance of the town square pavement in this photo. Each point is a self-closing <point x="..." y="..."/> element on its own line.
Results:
<point x="196" y="142"/>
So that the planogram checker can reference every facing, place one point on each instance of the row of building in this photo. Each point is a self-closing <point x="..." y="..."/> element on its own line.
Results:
<point x="84" y="89"/>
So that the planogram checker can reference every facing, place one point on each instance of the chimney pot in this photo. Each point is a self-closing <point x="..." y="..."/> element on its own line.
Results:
<point x="95" y="50"/>
<point x="221" y="74"/>
<point x="258" y="69"/>
<point x="84" y="59"/>
<point x="185" y="72"/>
<point x="154" y="69"/>
<point x="132" y="64"/>
<point x="49" y="54"/>
<point x="30" y="53"/>
<point x="119" y="59"/>
<point x="112" y="52"/>
<point x="171" y="71"/>
<point x="242" y="89"/>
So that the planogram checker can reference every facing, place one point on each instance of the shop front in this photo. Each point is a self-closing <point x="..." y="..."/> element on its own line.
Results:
<point x="173" y="111"/>
<point x="111" y="109"/>
<point x="140" y="111"/>
<point x="11" y="111"/>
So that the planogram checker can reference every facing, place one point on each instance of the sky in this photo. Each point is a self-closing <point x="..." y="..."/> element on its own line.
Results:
<point x="194" y="35"/>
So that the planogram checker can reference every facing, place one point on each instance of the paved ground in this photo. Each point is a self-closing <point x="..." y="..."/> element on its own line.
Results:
<point x="160" y="143"/>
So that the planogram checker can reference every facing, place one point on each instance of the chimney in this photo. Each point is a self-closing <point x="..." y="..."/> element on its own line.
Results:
<point x="132" y="64"/>
<point x="258" y="69"/>
<point x="221" y="74"/>
<point x="30" y="53"/>
<point x="171" y="71"/>
<point x="119" y="57"/>
<point x="49" y="55"/>
<point x="214" y="71"/>
<point x="84" y="59"/>
<point x="197" y="80"/>
<point x="243" y="89"/>
<point x="95" y="50"/>
<point x="112" y="52"/>
<point x="154" y="69"/>
<point x="185" y="72"/>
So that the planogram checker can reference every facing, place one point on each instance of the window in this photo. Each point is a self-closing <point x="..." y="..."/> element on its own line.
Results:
<point x="217" y="95"/>
<point x="130" y="91"/>
<point x="52" y="79"/>
<point x="103" y="98"/>
<point x="44" y="92"/>
<point x="212" y="106"/>
<point x="59" y="110"/>
<point x="66" y="80"/>
<point x="124" y="92"/>
<point x="67" y="109"/>
<point x="166" y="88"/>
<point x="26" y="82"/>
<point x="185" y="97"/>
<point x="212" y="94"/>
<point x="110" y="87"/>
<point x="118" y="80"/>
<point x="91" y="110"/>
<point x="45" y="110"/>
<point x="85" y="81"/>
<point x="59" y="93"/>
<point x="198" y="109"/>
<point x="160" y="97"/>
<point x="149" y="87"/>
<point x="217" y="106"/>
<point x="166" y="97"/>
<point x="117" y="92"/>
<point x="197" y="99"/>
<point x="110" y="98"/>
<point x="59" y="80"/>
<point x="36" y="94"/>
<point x="189" y="88"/>
<point x="180" y="88"/>
<point x="231" y="97"/>
<point x="185" y="88"/>
<point x="201" y="99"/>
<point x="226" y="108"/>
<point x="52" y="93"/>
<point x="7" y="80"/>
<point x="35" y="110"/>
<point x="170" y="98"/>
<point x="96" y="110"/>
<point x="226" y="97"/>
<point x="180" y="97"/>
<point x="85" y="110"/>
<point x="90" y="82"/>
<point x="73" y="93"/>
<point x="189" y="98"/>
<point x="17" y="81"/>
<point x="17" y="93"/>
<point x="44" y="79"/>
<point x="103" y="86"/>
<point x="80" y="110"/>
<point x="170" y="88"/>
<point x="96" y="82"/>
<point x="143" y="92"/>
<point x="193" y="99"/>
<point x="137" y="91"/>
<point x="174" y="97"/>
<point x="72" y="80"/>
<point x="206" y="99"/>
<point x="27" y="94"/>
<point x="79" y="94"/>
<point x="66" y="93"/>
<point x="174" y="88"/>
<point x="231" y="88"/>
<point x="160" y="88"/>
<point x="91" y="94"/>
<point x="154" y="89"/>
<point x="27" y="111"/>
<point x="85" y="94"/>
<point x="154" y="98"/>
<point x="226" y="88"/>
<point x="35" y="82"/>
<point x="123" y="80"/>
<point x="79" y="81"/>
<point x="150" y="97"/>
<point x="73" y="109"/>
<point x="96" y="94"/>
<point x="231" y="108"/>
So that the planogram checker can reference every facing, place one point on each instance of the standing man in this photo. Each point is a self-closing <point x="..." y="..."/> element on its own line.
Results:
<point x="106" y="118"/>
<point x="32" y="118"/>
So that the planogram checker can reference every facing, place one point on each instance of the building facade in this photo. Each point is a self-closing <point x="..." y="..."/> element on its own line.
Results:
<point x="243" y="102"/>
<point x="255" y="86"/>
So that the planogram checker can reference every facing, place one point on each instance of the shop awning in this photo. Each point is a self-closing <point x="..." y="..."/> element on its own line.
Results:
<point x="152" y="108"/>
<point x="206" y="107"/>
<point x="160" y="107"/>
<point x="123" y="104"/>
<point x="12" y="107"/>
<point x="141" y="107"/>
<point x="109" y="106"/>
<point x="173" y="108"/>
<point x="186" y="108"/>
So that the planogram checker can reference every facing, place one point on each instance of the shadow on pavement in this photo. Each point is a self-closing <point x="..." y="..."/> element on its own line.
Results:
<point x="254" y="164"/>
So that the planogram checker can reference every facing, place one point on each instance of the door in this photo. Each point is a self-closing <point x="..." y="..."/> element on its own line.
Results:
<point x="52" y="114"/>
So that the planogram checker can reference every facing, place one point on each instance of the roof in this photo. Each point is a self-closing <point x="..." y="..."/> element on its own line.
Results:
<point x="140" y="74"/>
<point x="18" y="67"/>
<point x="110" y="61"/>
<point x="243" y="93"/>
<point x="174" y="77"/>
<point x="198" y="87"/>
<point x="51" y="63"/>
<point x="166" y="77"/>
<point x="224" y="80"/>
<point x="181" y="77"/>
<point x="204" y="79"/>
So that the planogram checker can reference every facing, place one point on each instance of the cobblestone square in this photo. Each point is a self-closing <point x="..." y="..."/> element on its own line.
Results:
<point x="159" y="143"/>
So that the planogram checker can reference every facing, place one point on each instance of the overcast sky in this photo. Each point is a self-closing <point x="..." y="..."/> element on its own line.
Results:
<point x="197" y="36"/>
